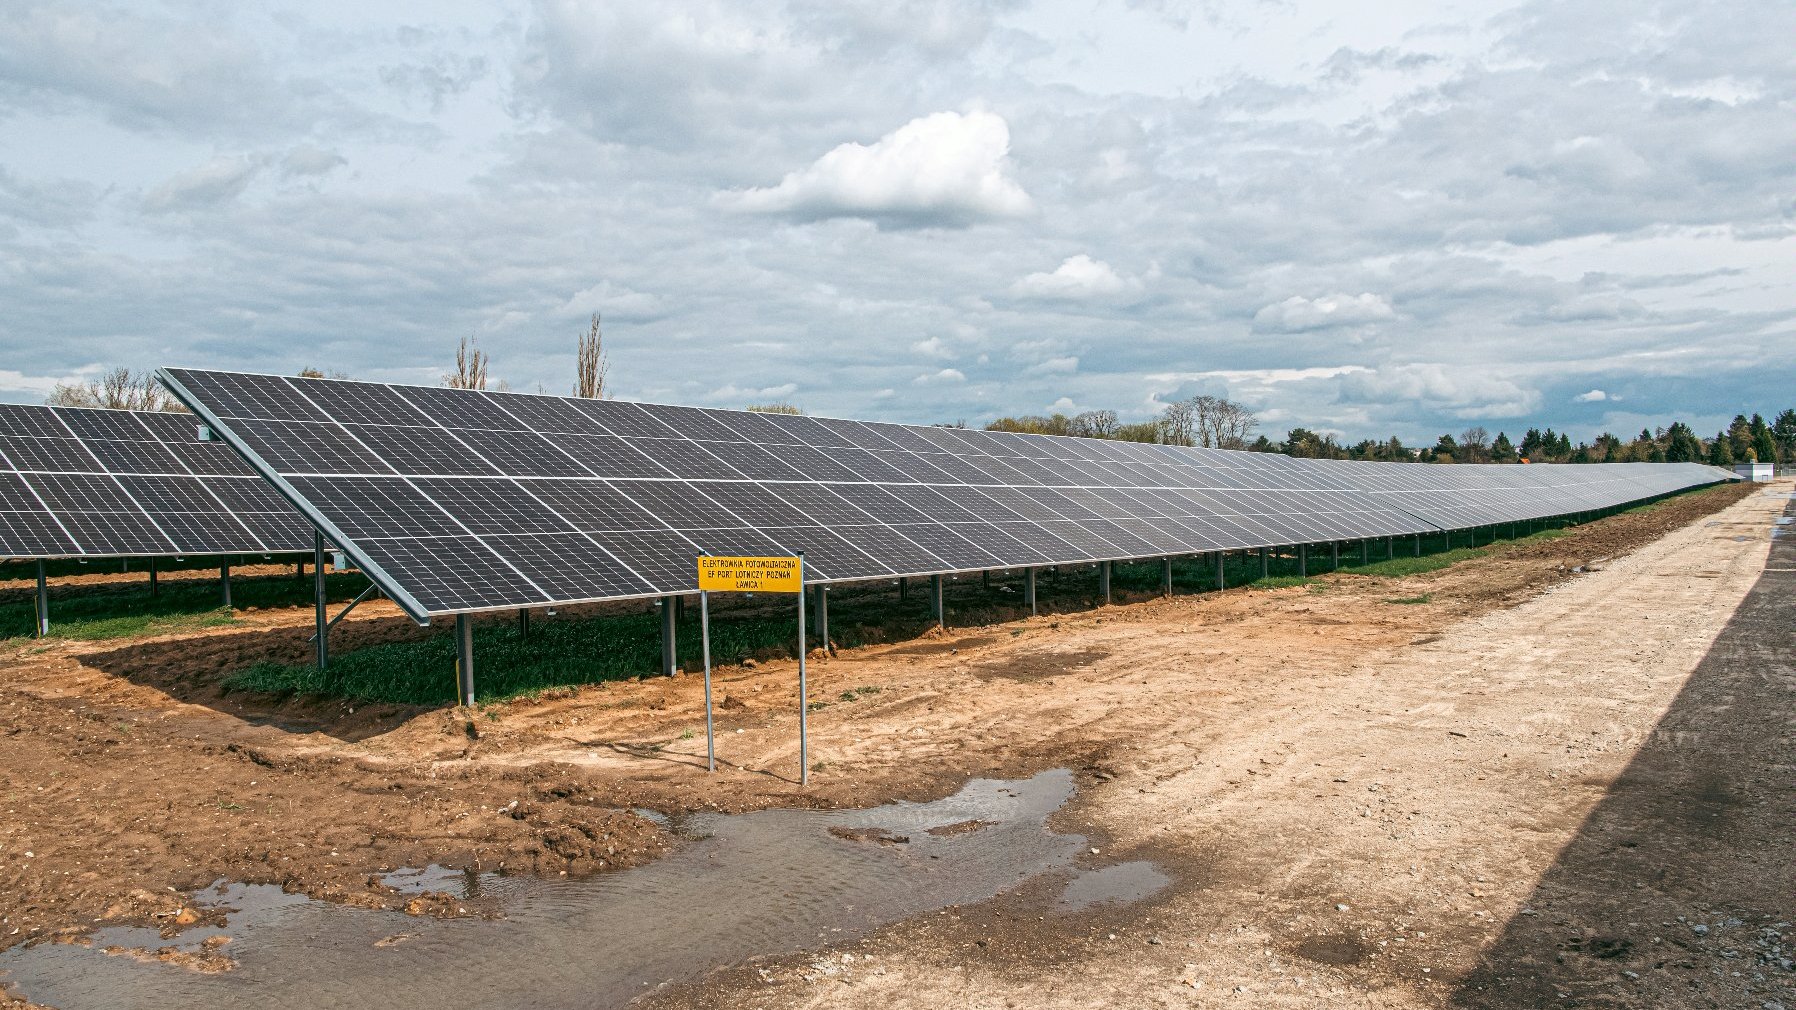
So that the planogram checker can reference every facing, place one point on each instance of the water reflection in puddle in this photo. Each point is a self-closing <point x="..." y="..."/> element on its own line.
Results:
<point x="749" y="885"/>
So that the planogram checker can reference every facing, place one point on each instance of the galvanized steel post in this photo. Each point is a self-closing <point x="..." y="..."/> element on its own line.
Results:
<point x="670" y="632"/>
<point x="1334" y="555"/>
<point x="1029" y="589"/>
<point x="1104" y="580"/>
<point x="1365" y="551"/>
<point x="318" y="599"/>
<point x="704" y="636"/>
<point x="154" y="589"/>
<point x="224" y="581"/>
<point x="523" y="622"/>
<point x="1418" y="538"/>
<point x="1166" y="575"/>
<point x="1265" y="562"/>
<point x="823" y="618"/>
<point x="1303" y="561"/>
<point x="804" y="715"/>
<point x="1221" y="579"/>
<point x="935" y="585"/>
<point x="464" y="658"/>
<point x="43" y="601"/>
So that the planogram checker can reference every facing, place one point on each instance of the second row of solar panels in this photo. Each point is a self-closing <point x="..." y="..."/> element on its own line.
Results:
<point x="78" y="482"/>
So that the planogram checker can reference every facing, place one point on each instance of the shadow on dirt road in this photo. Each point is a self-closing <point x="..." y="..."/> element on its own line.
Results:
<point x="1678" y="886"/>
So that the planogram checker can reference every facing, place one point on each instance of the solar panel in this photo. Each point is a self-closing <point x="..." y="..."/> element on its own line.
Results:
<point x="81" y="482"/>
<point x="464" y="500"/>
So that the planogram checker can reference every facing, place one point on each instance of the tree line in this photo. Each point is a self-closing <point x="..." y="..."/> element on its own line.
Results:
<point x="1216" y="423"/>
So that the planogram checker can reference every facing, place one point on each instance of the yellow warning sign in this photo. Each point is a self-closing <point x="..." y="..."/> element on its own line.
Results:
<point x="750" y="575"/>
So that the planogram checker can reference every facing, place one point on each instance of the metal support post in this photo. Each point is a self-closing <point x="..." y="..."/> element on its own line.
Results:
<point x="1334" y="555"/>
<point x="669" y="637"/>
<point x="464" y="658"/>
<point x="1221" y="578"/>
<point x="822" y="618"/>
<point x="1166" y="576"/>
<point x="1029" y="589"/>
<point x="154" y="589"/>
<point x="1104" y="581"/>
<point x="1389" y="547"/>
<point x="1265" y="562"/>
<point x="523" y="622"/>
<point x="224" y="581"/>
<point x="318" y="595"/>
<point x="985" y="578"/>
<point x="1418" y="538"/>
<point x="804" y="714"/>
<point x="941" y="618"/>
<point x="704" y="635"/>
<point x="1303" y="561"/>
<point x="1365" y="552"/>
<point x="903" y="589"/>
<point x="43" y="602"/>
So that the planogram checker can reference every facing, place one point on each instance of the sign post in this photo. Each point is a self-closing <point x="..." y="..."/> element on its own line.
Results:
<point x="753" y="575"/>
<point x="704" y="634"/>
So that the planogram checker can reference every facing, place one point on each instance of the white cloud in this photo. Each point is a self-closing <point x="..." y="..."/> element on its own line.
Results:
<point x="614" y="301"/>
<point x="731" y="393"/>
<point x="1297" y="313"/>
<point x="1594" y="396"/>
<point x="1465" y="392"/>
<point x="309" y="159"/>
<point x="945" y="375"/>
<point x="1054" y="366"/>
<point x="12" y="381"/>
<point x="945" y="169"/>
<point x="216" y="182"/>
<point x="1077" y="277"/>
<point x="934" y="347"/>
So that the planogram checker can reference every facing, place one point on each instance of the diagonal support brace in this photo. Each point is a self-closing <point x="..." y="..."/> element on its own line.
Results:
<point x="370" y="591"/>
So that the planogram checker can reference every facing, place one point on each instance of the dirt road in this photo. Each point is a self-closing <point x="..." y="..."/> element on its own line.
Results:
<point x="1361" y="801"/>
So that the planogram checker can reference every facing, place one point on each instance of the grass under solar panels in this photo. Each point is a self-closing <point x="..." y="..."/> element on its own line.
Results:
<point x="110" y="610"/>
<point x="576" y="650"/>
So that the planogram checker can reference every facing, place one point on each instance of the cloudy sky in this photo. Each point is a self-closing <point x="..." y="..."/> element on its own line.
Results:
<point x="1401" y="218"/>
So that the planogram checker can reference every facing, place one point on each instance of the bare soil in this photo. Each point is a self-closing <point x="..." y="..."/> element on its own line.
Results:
<point x="1361" y="802"/>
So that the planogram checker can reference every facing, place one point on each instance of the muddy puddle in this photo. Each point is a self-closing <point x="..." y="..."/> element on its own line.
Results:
<point x="748" y="885"/>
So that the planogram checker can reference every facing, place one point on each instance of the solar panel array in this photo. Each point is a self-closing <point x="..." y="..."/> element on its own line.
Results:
<point x="1467" y="495"/>
<point x="77" y="482"/>
<point x="463" y="500"/>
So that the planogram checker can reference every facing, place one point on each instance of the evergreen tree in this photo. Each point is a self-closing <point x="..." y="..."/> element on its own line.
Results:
<point x="1764" y="448"/>
<point x="1501" y="451"/>
<point x="1783" y="430"/>
<point x="1531" y="442"/>
<point x="1721" y="451"/>
<point x="1446" y="449"/>
<point x="1682" y="445"/>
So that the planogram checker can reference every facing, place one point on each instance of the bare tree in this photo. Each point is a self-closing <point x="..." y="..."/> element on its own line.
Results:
<point x="1093" y="424"/>
<point x="118" y="389"/>
<point x="780" y="407"/>
<point x="470" y="367"/>
<point x="1474" y="444"/>
<point x="590" y="363"/>
<point x="1208" y="421"/>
